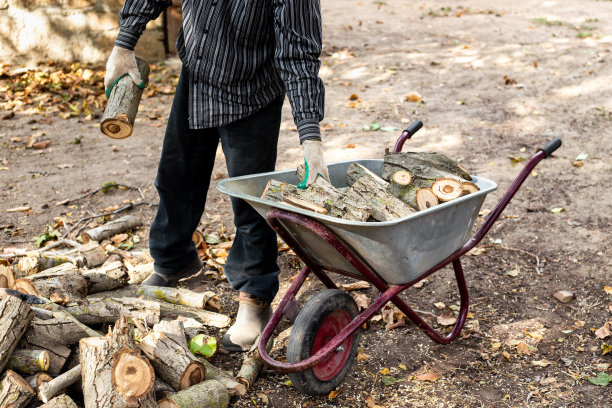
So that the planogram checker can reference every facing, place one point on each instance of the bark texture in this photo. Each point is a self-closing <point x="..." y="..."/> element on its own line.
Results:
<point x="28" y="362"/>
<point x="15" y="316"/>
<point x="60" y="284"/>
<point x="15" y="392"/>
<point x="107" y="310"/>
<point x="111" y="228"/>
<point x="210" y="394"/>
<point x="385" y="206"/>
<point x="49" y="389"/>
<point x="62" y="401"/>
<point x="425" y="168"/>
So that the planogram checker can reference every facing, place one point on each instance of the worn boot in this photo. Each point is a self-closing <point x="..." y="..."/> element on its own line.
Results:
<point x="253" y="315"/>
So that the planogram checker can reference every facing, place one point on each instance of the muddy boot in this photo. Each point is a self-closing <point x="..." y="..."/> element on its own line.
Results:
<point x="253" y="315"/>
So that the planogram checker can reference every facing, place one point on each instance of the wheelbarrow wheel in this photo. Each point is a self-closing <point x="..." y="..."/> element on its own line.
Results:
<point x="321" y="318"/>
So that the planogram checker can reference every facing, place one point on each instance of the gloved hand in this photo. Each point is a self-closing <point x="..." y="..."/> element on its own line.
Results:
<point x="121" y="61"/>
<point x="314" y="161"/>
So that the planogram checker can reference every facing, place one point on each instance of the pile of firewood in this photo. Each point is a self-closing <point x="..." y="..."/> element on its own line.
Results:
<point x="78" y="330"/>
<point x="410" y="182"/>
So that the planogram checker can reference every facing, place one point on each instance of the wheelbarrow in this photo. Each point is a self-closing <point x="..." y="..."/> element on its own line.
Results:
<point x="392" y="256"/>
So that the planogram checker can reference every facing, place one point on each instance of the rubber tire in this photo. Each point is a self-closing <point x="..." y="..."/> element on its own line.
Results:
<point x="303" y="334"/>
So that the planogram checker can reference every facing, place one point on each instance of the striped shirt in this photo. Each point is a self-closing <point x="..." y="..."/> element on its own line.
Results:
<point x="242" y="55"/>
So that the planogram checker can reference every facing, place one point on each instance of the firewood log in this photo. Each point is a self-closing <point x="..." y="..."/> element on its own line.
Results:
<point x="122" y="106"/>
<point x="15" y="392"/>
<point x="273" y="191"/>
<point x="107" y="277"/>
<point x="209" y="393"/>
<point x="93" y="254"/>
<point x="252" y="364"/>
<point x="38" y="379"/>
<point x="469" y="187"/>
<point x="447" y="189"/>
<point x="49" y="389"/>
<point x="37" y="263"/>
<point x="28" y="362"/>
<point x="139" y="272"/>
<point x="111" y="228"/>
<point x="60" y="284"/>
<point x="62" y="401"/>
<point x="56" y="330"/>
<point x="425" y="198"/>
<point x="184" y="297"/>
<point x="7" y="277"/>
<point x="385" y="206"/>
<point x="93" y="311"/>
<point x="15" y="316"/>
<point x="114" y="373"/>
<point x="208" y="318"/>
<point x="424" y="167"/>
<point x="355" y="171"/>
<point x="229" y="382"/>
<point x="172" y="360"/>
<point x="57" y="352"/>
<point x="162" y="389"/>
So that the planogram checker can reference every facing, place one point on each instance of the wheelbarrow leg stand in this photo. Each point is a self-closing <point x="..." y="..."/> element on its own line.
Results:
<point x="463" y="309"/>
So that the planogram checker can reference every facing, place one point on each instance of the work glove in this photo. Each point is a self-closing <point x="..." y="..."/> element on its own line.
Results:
<point x="121" y="62"/>
<point x="314" y="162"/>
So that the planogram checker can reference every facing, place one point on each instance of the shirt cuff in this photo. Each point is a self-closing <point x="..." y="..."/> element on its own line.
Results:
<point x="127" y="38"/>
<point x="309" y="129"/>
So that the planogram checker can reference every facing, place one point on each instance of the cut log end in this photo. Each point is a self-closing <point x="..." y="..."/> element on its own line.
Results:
<point x="469" y="187"/>
<point x="447" y="189"/>
<point x="402" y="177"/>
<point x="426" y="198"/>
<point x="132" y="374"/>
<point x="24" y="285"/>
<point x="116" y="128"/>
<point x="194" y="374"/>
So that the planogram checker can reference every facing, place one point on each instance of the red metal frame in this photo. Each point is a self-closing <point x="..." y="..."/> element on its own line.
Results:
<point x="387" y="293"/>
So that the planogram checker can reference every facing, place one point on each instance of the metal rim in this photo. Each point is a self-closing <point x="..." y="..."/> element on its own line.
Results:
<point x="331" y="326"/>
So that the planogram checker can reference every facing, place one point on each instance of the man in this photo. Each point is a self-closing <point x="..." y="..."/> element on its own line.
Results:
<point x="239" y="58"/>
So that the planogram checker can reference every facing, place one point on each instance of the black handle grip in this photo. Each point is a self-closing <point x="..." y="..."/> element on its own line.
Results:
<point x="414" y="127"/>
<point x="551" y="147"/>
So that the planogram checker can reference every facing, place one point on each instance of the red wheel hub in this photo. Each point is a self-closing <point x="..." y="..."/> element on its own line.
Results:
<point x="332" y="325"/>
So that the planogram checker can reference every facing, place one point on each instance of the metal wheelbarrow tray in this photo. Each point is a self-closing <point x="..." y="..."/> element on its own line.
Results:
<point x="392" y="256"/>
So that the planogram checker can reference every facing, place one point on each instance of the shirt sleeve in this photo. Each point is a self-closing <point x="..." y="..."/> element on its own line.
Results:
<point x="297" y="27"/>
<point x="133" y="18"/>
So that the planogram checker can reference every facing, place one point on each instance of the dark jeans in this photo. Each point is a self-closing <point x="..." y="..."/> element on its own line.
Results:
<point x="183" y="179"/>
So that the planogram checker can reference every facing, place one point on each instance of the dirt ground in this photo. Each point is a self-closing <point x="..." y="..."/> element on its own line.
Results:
<point x="496" y="81"/>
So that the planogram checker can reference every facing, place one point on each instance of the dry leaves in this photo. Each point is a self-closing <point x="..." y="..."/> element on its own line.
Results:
<point x="603" y="331"/>
<point x="430" y="376"/>
<point x="447" y="318"/>
<point x="362" y="300"/>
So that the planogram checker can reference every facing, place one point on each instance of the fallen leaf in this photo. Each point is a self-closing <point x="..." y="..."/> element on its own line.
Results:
<point x="447" y="318"/>
<point x="605" y="348"/>
<point x="506" y="356"/>
<point x="263" y="397"/>
<point x="355" y="285"/>
<point x="513" y="272"/>
<point x="476" y="251"/>
<point x="384" y="371"/>
<point x="440" y="305"/>
<point x="65" y="166"/>
<point x="430" y="376"/>
<point x="402" y="366"/>
<point x="603" y="331"/>
<point x="372" y="403"/>
<point x="564" y="296"/>
<point x="353" y="97"/>
<point x="350" y="146"/>
<point x="19" y="209"/>
<point x="362" y="300"/>
<point x="608" y="290"/>
<point x="41" y="145"/>
<point x="361" y="356"/>
<point x="557" y="210"/>
<point x="288" y="383"/>
<point x="388" y="380"/>
<point x="523" y="349"/>
<point x="581" y="157"/>
<point x="602" y="379"/>
<point x="541" y="363"/>
<point x="120" y="238"/>
<point x="334" y="393"/>
<point x="495" y="346"/>
<point x="548" y="381"/>
<point x="412" y="97"/>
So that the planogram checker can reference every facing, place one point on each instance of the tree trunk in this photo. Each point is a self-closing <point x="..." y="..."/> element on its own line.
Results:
<point x="173" y="362"/>
<point x="114" y="373"/>
<point x="93" y="311"/>
<point x="385" y="206"/>
<point x="111" y="228"/>
<point x="48" y="390"/>
<point x="425" y="168"/>
<point x="209" y="393"/>
<point x="61" y="284"/>
<point x="7" y="277"/>
<point x="252" y="364"/>
<point x="184" y="297"/>
<point x="63" y="401"/>
<point x="107" y="277"/>
<point x="15" y="316"/>
<point x="38" y="379"/>
<point x="15" y="392"/>
<point x="356" y="171"/>
<point x="122" y="106"/>
<point x="28" y="362"/>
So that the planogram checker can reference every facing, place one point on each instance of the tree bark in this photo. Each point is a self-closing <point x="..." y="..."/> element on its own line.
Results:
<point x="184" y="297"/>
<point x="173" y="362"/>
<point x="57" y="329"/>
<point x="107" y="277"/>
<point x="60" y="284"/>
<point x="114" y="373"/>
<point x="93" y="311"/>
<point x="28" y="362"/>
<point x="162" y="389"/>
<point x="58" y="352"/>
<point x="425" y="168"/>
<point x="37" y="263"/>
<point x="111" y="228"/>
<point x="38" y="379"/>
<point x="48" y="390"/>
<point x="356" y="171"/>
<point x="209" y="393"/>
<point x="122" y="106"/>
<point x="15" y="392"/>
<point x="273" y="191"/>
<point x="252" y="364"/>
<point x="208" y="318"/>
<point x="229" y="382"/>
<point x="93" y="254"/>
<point x="139" y="272"/>
<point x="63" y="401"/>
<point x="385" y="206"/>
<point x="7" y="277"/>
<point x="15" y="316"/>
